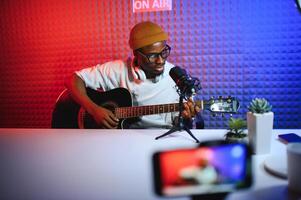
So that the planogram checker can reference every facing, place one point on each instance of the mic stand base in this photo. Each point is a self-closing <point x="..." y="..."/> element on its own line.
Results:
<point x="180" y="124"/>
<point x="178" y="128"/>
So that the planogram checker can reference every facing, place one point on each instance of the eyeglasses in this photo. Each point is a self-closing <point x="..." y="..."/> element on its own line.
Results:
<point x="152" y="57"/>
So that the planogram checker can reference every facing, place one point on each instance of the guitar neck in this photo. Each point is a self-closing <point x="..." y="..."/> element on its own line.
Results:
<point x="136" y="111"/>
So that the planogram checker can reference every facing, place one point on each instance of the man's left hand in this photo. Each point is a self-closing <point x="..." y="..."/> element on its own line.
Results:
<point x="190" y="109"/>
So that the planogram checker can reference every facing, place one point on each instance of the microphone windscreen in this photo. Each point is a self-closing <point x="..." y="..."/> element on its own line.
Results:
<point x="177" y="73"/>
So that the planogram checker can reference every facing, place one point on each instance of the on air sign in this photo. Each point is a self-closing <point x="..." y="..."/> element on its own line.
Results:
<point x="151" y="5"/>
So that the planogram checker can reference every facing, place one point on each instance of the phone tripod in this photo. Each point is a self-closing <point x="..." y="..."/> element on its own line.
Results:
<point x="180" y="125"/>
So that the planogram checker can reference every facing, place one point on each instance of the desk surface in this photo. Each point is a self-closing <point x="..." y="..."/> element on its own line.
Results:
<point x="104" y="164"/>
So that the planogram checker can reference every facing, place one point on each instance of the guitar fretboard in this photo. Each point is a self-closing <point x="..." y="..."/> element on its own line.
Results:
<point x="129" y="112"/>
<point x="136" y="111"/>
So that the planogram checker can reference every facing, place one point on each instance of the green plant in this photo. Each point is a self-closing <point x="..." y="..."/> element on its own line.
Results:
<point x="259" y="105"/>
<point x="236" y="128"/>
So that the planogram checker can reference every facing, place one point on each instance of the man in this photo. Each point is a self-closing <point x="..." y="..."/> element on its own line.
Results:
<point x="146" y="76"/>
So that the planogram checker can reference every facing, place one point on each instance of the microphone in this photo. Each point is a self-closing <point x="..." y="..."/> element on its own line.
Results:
<point x="186" y="84"/>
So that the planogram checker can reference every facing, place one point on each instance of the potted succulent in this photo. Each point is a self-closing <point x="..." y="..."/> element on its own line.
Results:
<point x="236" y="130"/>
<point x="260" y="125"/>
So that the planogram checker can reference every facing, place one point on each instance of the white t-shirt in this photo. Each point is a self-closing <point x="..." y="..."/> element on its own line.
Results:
<point x="160" y="90"/>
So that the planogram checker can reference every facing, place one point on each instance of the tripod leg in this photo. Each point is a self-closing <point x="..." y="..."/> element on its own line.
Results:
<point x="189" y="132"/>
<point x="173" y="129"/>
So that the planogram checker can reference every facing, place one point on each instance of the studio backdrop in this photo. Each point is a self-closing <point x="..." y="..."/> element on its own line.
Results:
<point x="241" y="48"/>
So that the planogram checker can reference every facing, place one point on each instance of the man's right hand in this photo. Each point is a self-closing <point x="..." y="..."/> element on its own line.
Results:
<point x="105" y="118"/>
<point x="102" y="116"/>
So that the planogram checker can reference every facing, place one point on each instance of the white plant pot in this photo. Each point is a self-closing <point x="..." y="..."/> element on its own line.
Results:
<point x="260" y="127"/>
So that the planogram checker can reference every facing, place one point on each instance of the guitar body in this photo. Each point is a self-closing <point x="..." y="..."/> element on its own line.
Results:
<point x="67" y="113"/>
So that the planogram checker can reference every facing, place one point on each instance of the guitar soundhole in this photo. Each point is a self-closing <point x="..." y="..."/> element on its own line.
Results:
<point x="110" y="105"/>
<point x="85" y="120"/>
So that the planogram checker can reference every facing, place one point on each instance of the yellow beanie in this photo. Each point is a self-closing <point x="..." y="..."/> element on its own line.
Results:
<point x="146" y="33"/>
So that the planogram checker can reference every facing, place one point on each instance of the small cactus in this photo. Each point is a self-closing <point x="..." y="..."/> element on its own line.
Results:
<point x="259" y="105"/>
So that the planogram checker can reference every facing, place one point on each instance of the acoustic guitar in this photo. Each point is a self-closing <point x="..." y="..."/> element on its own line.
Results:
<point x="68" y="114"/>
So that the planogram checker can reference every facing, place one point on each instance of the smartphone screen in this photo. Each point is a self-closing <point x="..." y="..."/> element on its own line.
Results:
<point x="289" y="137"/>
<point x="210" y="168"/>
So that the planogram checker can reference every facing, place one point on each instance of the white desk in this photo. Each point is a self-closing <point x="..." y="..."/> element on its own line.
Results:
<point x="104" y="164"/>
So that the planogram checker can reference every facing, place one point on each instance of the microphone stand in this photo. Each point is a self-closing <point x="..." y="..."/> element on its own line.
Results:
<point x="180" y="125"/>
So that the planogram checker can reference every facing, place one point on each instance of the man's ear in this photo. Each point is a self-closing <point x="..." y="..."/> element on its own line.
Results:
<point x="135" y="53"/>
<point x="136" y="57"/>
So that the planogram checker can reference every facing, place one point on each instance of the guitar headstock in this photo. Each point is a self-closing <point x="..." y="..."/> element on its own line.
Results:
<point x="222" y="105"/>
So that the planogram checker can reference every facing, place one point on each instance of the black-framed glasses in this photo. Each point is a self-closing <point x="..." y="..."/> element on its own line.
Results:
<point x="152" y="57"/>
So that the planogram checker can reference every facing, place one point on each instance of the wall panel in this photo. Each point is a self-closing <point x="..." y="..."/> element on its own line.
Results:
<point x="241" y="48"/>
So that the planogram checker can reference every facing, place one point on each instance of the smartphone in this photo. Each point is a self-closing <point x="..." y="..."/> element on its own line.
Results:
<point x="289" y="137"/>
<point x="211" y="168"/>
